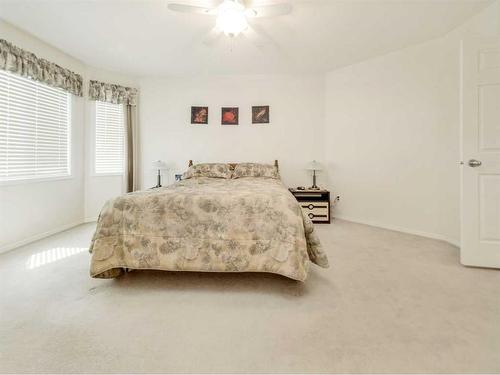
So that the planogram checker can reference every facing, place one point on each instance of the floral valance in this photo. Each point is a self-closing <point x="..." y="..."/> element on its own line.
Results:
<point x="111" y="93"/>
<point x="27" y="64"/>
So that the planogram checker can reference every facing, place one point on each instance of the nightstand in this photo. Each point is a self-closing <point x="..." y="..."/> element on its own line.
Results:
<point x="314" y="203"/>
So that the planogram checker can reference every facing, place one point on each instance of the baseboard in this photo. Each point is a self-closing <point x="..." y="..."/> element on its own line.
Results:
<point x="403" y="230"/>
<point x="37" y="237"/>
<point x="90" y="219"/>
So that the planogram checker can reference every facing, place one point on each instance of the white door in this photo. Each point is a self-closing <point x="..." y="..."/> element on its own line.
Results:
<point x="481" y="152"/>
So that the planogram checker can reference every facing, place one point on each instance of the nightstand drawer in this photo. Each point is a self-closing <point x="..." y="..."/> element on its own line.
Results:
<point x="317" y="211"/>
<point x="314" y="203"/>
<point x="311" y="195"/>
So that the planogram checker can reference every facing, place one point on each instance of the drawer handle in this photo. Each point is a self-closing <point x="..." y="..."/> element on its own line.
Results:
<point x="312" y="206"/>
<point x="312" y="216"/>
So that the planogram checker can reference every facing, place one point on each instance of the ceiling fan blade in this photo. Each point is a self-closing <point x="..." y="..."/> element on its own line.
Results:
<point x="272" y="10"/>
<point x="259" y="40"/>
<point x="176" y="7"/>
<point x="212" y="37"/>
<point x="265" y="42"/>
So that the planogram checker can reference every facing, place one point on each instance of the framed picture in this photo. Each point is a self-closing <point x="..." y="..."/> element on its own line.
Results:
<point x="229" y="115"/>
<point x="199" y="115"/>
<point x="260" y="114"/>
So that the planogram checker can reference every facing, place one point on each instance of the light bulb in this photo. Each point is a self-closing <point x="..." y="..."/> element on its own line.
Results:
<point x="231" y="18"/>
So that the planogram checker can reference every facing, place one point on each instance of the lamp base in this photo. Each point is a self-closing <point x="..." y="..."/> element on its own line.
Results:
<point x="314" y="186"/>
<point x="158" y="183"/>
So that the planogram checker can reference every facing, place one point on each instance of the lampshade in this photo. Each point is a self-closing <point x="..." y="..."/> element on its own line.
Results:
<point x="314" y="166"/>
<point x="158" y="164"/>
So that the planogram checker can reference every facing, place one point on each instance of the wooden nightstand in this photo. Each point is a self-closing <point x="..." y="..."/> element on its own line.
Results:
<point x="315" y="204"/>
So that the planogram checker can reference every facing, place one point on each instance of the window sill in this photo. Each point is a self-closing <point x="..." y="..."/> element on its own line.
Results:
<point x="105" y="174"/>
<point x="32" y="181"/>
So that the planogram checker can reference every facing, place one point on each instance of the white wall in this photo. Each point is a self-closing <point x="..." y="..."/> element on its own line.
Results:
<point x="393" y="138"/>
<point x="32" y="210"/>
<point x="294" y="135"/>
<point x="387" y="128"/>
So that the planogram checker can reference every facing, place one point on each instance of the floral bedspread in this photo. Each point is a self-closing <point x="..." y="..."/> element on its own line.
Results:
<point x="209" y="225"/>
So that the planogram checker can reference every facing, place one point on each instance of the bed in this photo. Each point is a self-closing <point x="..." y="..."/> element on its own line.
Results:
<point x="235" y="218"/>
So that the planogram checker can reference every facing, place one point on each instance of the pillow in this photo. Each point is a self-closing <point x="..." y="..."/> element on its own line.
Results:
<point x="214" y="170"/>
<point x="255" y="170"/>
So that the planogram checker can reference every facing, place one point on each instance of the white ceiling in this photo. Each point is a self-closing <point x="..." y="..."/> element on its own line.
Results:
<point x="144" y="38"/>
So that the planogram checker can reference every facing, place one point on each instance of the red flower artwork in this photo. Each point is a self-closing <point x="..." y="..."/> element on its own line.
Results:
<point x="230" y="116"/>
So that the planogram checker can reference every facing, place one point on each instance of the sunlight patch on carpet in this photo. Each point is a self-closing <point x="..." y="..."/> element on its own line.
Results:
<point x="52" y="255"/>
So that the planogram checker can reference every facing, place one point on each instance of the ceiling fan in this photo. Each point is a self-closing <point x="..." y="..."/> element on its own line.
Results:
<point x="231" y="15"/>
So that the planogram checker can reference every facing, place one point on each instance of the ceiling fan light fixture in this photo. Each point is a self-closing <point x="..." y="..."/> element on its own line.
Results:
<point x="231" y="18"/>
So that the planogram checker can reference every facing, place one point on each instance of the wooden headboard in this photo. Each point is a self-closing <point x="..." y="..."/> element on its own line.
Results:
<point x="233" y="165"/>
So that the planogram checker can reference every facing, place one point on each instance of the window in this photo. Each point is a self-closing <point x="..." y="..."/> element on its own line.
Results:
<point x="35" y="125"/>
<point x="109" y="138"/>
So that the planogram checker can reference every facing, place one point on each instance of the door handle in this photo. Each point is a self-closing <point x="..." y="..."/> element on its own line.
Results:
<point x="474" y="163"/>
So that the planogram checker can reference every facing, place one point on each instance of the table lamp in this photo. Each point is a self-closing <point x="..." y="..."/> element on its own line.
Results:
<point x="159" y="165"/>
<point x="314" y="166"/>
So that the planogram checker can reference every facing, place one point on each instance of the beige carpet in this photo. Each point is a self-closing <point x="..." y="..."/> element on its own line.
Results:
<point x="390" y="303"/>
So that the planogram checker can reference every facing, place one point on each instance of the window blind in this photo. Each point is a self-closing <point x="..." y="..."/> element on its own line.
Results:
<point x="35" y="125"/>
<point x="109" y="138"/>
